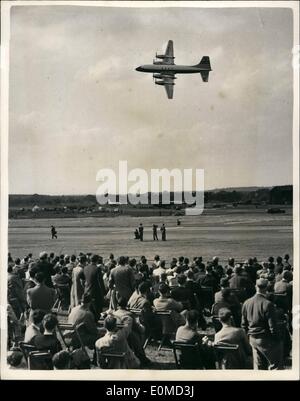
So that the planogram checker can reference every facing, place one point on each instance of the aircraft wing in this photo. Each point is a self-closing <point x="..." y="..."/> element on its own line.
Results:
<point x="168" y="83"/>
<point x="169" y="55"/>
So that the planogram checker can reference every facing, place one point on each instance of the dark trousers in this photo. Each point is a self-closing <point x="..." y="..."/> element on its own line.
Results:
<point x="267" y="353"/>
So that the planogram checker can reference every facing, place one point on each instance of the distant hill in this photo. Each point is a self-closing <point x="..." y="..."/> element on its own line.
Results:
<point x="275" y="195"/>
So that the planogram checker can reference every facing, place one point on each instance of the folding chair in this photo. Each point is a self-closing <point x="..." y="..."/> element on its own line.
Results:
<point x="40" y="360"/>
<point x="185" y="355"/>
<point x="227" y="356"/>
<point x="26" y="349"/>
<point x="107" y="359"/>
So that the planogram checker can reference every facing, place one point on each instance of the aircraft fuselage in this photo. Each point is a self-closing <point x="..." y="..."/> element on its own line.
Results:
<point x="172" y="68"/>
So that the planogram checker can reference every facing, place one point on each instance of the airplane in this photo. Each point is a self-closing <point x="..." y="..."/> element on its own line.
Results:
<point x="164" y="71"/>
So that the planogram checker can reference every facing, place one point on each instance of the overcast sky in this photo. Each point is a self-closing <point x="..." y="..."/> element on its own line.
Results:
<point x="77" y="104"/>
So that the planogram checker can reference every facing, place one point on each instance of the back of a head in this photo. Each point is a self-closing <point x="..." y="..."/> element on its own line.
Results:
<point x="181" y="278"/>
<point x="14" y="358"/>
<point x="225" y="315"/>
<point x="262" y="284"/>
<point x="50" y="322"/>
<point x="61" y="360"/>
<point x="82" y="259"/>
<point x="156" y="258"/>
<point x="143" y="287"/>
<point x="37" y="316"/>
<point x="163" y="288"/>
<point x="39" y="277"/>
<point x="132" y="262"/>
<point x="73" y="258"/>
<point x="64" y="270"/>
<point x="286" y="275"/>
<point x="122" y="260"/>
<point x="94" y="259"/>
<point x="224" y="282"/>
<point x="110" y="323"/>
<point x="163" y="264"/>
<point x="192" y="317"/>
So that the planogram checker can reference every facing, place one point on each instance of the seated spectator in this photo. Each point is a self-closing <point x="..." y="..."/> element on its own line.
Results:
<point x="166" y="303"/>
<point x="172" y="278"/>
<point x="140" y="297"/>
<point x="240" y="282"/>
<point x="188" y="333"/>
<point x="61" y="360"/>
<point x="136" y="336"/>
<point x="233" y="335"/>
<point x="183" y="294"/>
<point x="286" y="262"/>
<point x="82" y="315"/>
<point x="34" y="328"/>
<point x="115" y="340"/>
<point x="224" y="283"/>
<point x="160" y="269"/>
<point x="209" y="280"/>
<point x="15" y="359"/>
<point x="48" y="340"/>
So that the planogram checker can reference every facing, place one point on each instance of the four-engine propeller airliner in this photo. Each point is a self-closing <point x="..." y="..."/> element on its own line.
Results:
<point x="164" y="71"/>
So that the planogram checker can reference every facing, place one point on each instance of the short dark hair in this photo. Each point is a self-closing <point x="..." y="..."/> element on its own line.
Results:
<point x="73" y="258"/>
<point x="15" y="358"/>
<point x="163" y="264"/>
<point x="82" y="259"/>
<point x="61" y="360"/>
<point x="50" y="322"/>
<point x="94" y="258"/>
<point x="132" y="262"/>
<point x="64" y="269"/>
<point x="181" y="278"/>
<point x="39" y="276"/>
<point x="163" y="288"/>
<point x="143" y="287"/>
<point x="156" y="257"/>
<point x="122" y="260"/>
<point x="37" y="316"/>
<point x="110" y="323"/>
<point x="192" y="317"/>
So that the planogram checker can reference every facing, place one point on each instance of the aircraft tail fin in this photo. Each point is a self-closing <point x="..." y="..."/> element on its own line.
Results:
<point x="205" y="67"/>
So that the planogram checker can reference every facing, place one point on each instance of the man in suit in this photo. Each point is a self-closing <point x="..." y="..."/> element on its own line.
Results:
<point x="260" y="323"/>
<point x="122" y="279"/>
<point x="41" y="296"/>
<point x="116" y="341"/>
<point x="241" y="282"/>
<point x="233" y="335"/>
<point x="77" y="288"/>
<point x="94" y="285"/>
<point x="46" y="268"/>
<point x="183" y="294"/>
<point x="82" y="315"/>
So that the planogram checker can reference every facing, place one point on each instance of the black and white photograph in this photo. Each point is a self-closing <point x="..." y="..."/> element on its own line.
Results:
<point x="150" y="190"/>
